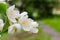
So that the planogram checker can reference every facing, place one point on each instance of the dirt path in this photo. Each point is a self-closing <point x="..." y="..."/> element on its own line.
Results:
<point x="46" y="29"/>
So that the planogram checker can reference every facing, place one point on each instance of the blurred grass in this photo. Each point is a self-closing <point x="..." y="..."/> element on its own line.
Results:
<point x="53" y="23"/>
<point x="39" y="36"/>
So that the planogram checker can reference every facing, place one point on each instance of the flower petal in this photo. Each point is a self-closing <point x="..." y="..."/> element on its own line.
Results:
<point x="26" y="28"/>
<point x="12" y="14"/>
<point x="1" y="27"/>
<point x="17" y="26"/>
<point x="1" y="24"/>
<point x="16" y="13"/>
<point x="34" y="24"/>
<point x="1" y="21"/>
<point x="34" y="30"/>
<point x="11" y="8"/>
<point x="24" y="14"/>
<point x="10" y="30"/>
<point x="30" y="20"/>
<point x="13" y="20"/>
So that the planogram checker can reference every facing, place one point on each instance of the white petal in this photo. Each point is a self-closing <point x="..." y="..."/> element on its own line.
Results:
<point x="24" y="13"/>
<point x="30" y="20"/>
<point x="26" y="28"/>
<point x="34" y="24"/>
<point x="1" y="27"/>
<point x="16" y="13"/>
<point x="12" y="14"/>
<point x="23" y="18"/>
<point x="34" y="30"/>
<point x="10" y="30"/>
<point x="12" y="20"/>
<point x="18" y="26"/>
<point x="11" y="8"/>
<point x="1" y="24"/>
<point x="1" y="21"/>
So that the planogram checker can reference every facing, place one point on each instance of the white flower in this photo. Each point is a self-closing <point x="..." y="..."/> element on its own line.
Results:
<point x="21" y="21"/>
<point x="15" y="28"/>
<point x="12" y="14"/>
<point x="1" y="24"/>
<point x="34" y="24"/>
<point x="29" y="25"/>
<point x="25" y="22"/>
<point x="22" y="16"/>
<point x="33" y="27"/>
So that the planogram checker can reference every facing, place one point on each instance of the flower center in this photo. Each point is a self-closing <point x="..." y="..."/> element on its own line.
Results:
<point x="14" y="28"/>
<point x="25" y="22"/>
<point x="17" y="19"/>
<point x="11" y="13"/>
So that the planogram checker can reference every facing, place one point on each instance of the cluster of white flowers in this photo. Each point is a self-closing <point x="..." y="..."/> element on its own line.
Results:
<point x="19" y="21"/>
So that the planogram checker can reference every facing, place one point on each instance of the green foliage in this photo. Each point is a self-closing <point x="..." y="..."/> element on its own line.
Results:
<point x="3" y="8"/>
<point x="6" y="25"/>
<point x="44" y="7"/>
<point x="35" y="14"/>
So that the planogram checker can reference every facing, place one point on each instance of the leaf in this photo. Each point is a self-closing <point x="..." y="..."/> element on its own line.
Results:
<point x="3" y="8"/>
<point x="6" y="25"/>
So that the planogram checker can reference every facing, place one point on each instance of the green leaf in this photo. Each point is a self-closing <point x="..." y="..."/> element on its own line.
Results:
<point x="3" y="8"/>
<point x="6" y="25"/>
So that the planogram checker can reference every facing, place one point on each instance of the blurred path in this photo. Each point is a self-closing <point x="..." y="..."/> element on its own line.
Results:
<point x="49" y="31"/>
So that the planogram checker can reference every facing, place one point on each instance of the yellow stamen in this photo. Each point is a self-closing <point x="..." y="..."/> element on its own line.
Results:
<point x="14" y="28"/>
<point x="18" y="19"/>
<point x="11" y="13"/>
<point x="25" y="23"/>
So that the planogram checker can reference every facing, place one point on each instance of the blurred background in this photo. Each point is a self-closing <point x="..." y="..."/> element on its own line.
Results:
<point x="47" y="11"/>
<point x="37" y="9"/>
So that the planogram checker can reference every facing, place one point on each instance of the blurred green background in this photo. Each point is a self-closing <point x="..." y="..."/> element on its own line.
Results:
<point x="37" y="9"/>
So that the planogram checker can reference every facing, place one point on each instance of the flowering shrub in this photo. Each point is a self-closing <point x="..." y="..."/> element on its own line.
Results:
<point x="17" y="22"/>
